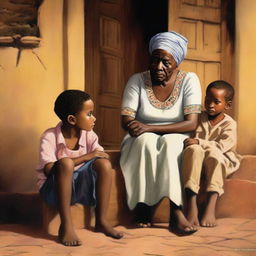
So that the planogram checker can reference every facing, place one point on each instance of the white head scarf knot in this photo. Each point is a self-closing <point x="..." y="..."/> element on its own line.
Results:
<point x="172" y="42"/>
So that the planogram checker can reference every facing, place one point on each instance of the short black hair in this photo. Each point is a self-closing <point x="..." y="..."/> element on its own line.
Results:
<point x="220" y="84"/>
<point x="70" y="102"/>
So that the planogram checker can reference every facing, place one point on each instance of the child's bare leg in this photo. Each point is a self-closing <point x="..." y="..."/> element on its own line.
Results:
<point x="178" y="222"/>
<point x="64" y="169"/>
<point x="103" y="186"/>
<point x="209" y="219"/>
<point x="192" y="210"/>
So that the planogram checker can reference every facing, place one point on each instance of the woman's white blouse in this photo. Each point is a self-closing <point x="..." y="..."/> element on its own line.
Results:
<point x="140" y="102"/>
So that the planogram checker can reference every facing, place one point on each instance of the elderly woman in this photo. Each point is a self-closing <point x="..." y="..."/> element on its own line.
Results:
<point x="160" y="108"/>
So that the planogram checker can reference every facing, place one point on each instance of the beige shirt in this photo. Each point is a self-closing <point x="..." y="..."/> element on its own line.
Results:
<point x="222" y="136"/>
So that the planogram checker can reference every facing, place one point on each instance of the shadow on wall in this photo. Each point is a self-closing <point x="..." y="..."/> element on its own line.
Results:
<point x="22" y="143"/>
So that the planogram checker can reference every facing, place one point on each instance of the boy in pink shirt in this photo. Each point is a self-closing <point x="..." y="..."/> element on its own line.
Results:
<point x="73" y="168"/>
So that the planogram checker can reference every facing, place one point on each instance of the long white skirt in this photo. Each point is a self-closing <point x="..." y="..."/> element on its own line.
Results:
<point x="150" y="165"/>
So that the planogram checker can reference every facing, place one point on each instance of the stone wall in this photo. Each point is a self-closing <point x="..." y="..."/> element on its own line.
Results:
<point x="18" y="23"/>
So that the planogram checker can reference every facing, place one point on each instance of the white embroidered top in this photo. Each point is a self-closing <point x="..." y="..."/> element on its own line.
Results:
<point x="140" y="102"/>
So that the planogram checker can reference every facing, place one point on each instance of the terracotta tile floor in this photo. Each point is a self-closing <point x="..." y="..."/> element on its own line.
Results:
<point x="230" y="238"/>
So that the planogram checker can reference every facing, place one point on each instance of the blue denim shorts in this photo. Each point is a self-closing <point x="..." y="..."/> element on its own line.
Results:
<point x="83" y="187"/>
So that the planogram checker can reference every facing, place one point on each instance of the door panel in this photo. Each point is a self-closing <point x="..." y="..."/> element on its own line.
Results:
<point x="110" y="84"/>
<point x="211" y="72"/>
<point x="198" y="10"/>
<point x="110" y="26"/>
<point x="200" y="22"/>
<point x="211" y="38"/>
<point x="111" y="116"/>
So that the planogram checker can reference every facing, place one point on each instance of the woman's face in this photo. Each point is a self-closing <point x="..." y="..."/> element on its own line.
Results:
<point x="162" y="65"/>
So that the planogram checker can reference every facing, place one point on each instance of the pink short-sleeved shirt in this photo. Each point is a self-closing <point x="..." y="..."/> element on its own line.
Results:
<point x="53" y="148"/>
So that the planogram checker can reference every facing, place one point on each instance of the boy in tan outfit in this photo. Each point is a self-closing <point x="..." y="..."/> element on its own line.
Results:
<point x="212" y="150"/>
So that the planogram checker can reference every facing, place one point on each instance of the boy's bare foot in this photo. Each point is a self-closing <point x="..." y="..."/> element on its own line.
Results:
<point x="193" y="219"/>
<point x="192" y="214"/>
<point x="208" y="220"/>
<point x="68" y="237"/>
<point x="180" y="225"/>
<point x="108" y="230"/>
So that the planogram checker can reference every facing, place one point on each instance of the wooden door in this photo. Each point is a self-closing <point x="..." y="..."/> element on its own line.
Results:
<point x="209" y="49"/>
<point x="104" y="66"/>
<point x="116" y="46"/>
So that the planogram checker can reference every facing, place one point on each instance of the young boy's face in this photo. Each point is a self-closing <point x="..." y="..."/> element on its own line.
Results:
<point x="215" y="102"/>
<point x="85" y="119"/>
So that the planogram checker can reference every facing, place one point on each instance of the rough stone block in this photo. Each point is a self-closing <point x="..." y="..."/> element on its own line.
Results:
<point x="82" y="217"/>
<point x="247" y="169"/>
<point x="238" y="201"/>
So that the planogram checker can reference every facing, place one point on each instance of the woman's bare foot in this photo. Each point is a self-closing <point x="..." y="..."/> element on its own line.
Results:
<point x="108" y="230"/>
<point x="143" y="220"/>
<point x="68" y="237"/>
<point x="143" y="225"/>
<point x="143" y="215"/>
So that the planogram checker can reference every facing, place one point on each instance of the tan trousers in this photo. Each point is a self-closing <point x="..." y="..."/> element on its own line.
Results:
<point x="212" y="162"/>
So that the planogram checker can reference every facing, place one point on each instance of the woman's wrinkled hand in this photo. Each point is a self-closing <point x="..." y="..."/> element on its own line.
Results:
<point x="189" y="141"/>
<point x="136" y="128"/>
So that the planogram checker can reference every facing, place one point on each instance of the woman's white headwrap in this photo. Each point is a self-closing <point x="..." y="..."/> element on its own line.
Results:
<point x="172" y="42"/>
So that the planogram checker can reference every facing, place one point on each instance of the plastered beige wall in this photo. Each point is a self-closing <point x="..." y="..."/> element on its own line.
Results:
<point x="28" y="91"/>
<point x="246" y="75"/>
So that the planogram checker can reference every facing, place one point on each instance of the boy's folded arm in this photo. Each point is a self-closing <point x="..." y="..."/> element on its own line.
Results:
<point x="78" y="160"/>
<point x="81" y="159"/>
<point x="87" y="157"/>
